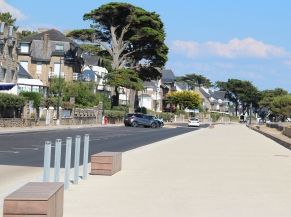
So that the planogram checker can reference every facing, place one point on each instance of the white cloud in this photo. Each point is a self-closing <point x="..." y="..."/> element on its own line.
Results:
<point x="235" y="48"/>
<point x="16" y="13"/>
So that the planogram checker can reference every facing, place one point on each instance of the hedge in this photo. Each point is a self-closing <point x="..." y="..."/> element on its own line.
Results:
<point x="114" y="114"/>
<point x="11" y="101"/>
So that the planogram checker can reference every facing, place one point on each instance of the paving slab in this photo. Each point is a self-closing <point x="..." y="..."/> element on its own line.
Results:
<point x="226" y="171"/>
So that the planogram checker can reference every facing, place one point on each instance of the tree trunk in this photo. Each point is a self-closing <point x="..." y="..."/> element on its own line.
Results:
<point x="236" y="109"/>
<point x="115" y="97"/>
<point x="131" y="100"/>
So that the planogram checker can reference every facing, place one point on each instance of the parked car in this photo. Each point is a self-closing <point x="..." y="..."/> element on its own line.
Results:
<point x="193" y="122"/>
<point x="160" y="120"/>
<point x="136" y="119"/>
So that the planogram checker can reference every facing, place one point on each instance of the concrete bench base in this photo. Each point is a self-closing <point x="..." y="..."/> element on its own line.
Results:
<point x="106" y="163"/>
<point x="35" y="199"/>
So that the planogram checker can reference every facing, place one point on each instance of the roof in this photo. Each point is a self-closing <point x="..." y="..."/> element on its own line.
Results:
<point x="90" y="60"/>
<point x="53" y="34"/>
<point x="204" y="92"/>
<point x="22" y="73"/>
<point x="182" y="85"/>
<point x="168" y="76"/>
<point x="152" y="84"/>
<point x="218" y="95"/>
<point x="32" y="82"/>
<point x="6" y="86"/>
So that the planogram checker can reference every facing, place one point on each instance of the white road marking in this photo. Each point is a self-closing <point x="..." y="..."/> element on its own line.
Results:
<point x="13" y="152"/>
<point x="35" y="149"/>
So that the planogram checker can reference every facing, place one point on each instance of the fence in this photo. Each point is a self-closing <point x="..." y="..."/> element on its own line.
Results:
<point x="68" y="155"/>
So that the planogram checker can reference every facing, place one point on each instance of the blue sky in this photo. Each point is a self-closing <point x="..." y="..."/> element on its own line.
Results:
<point x="219" y="39"/>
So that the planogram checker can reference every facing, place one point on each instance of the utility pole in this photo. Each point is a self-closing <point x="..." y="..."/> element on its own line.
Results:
<point x="59" y="93"/>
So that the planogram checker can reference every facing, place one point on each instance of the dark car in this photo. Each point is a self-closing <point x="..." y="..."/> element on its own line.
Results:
<point x="136" y="119"/>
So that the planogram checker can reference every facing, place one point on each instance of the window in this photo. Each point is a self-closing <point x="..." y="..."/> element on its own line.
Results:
<point x="38" y="68"/>
<point x="57" y="68"/>
<point x="4" y="74"/>
<point x="24" y="64"/>
<point x="59" y="47"/>
<point x="24" y="48"/>
<point x="10" y="51"/>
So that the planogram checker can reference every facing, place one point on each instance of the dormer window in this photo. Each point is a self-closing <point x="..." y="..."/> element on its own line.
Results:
<point x="59" y="47"/>
<point x="24" y="48"/>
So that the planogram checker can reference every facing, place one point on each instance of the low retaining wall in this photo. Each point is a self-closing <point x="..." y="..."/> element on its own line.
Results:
<point x="274" y="138"/>
<point x="287" y="131"/>
<point x="275" y="125"/>
<point x="12" y="122"/>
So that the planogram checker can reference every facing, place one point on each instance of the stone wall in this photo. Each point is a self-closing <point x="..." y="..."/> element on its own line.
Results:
<point x="12" y="122"/>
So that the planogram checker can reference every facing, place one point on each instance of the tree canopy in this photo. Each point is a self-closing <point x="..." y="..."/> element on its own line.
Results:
<point x="281" y="106"/>
<point x="7" y="18"/>
<point x="240" y="93"/>
<point x="269" y="95"/>
<point x="195" y="80"/>
<point x="185" y="99"/>
<point x="132" y="36"/>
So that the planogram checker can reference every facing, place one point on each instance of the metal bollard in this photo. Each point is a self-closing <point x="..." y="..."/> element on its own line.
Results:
<point x="58" y="151"/>
<point x="77" y="159"/>
<point x="85" y="157"/>
<point x="68" y="162"/>
<point x="47" y="161"/>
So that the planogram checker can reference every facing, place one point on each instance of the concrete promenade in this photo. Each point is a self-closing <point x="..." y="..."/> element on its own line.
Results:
<point x="226" y="171"/>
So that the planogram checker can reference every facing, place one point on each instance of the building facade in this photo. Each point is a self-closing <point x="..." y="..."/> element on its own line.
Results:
<point x="8" y="54"/>
<point x="50" y="54"/>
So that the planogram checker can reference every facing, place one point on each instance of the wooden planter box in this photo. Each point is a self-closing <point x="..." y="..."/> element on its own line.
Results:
<point x="106" y="163"/>
<point x="35" y="199"/>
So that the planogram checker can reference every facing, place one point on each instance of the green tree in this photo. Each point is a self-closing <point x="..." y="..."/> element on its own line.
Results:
<point x="185" y="99"/>
<point x="134" y="38"/>
<point x="240" y="93"/>
<point x="195" y="80"/>
<point x="127" y="78"/>
<point x="7" y="18"/>
<point x="281" y="106"/>
<point x="25" y="33"/>
<point x="269" y="95"/>
<point x="91" y="49"/>
<point x="83" y="93"/>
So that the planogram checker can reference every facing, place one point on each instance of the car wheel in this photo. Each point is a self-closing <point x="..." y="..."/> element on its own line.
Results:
<point x="134" y="124"/>
<point x="153" y="125"/>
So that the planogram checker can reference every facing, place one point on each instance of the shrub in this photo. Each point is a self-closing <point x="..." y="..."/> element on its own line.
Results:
<point x="11" y="101"/>
<point x="123" y="108"/>
<point x="142" y="110"/>
<point x="166" y="116"/>
<point x="215" y="116"/>
<point x="114" y="114"/>
<point x="35" y="97"/>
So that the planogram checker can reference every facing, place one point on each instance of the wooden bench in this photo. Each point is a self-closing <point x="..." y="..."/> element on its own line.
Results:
<point x="35" y="199"/>
<point x="106" y="163"/>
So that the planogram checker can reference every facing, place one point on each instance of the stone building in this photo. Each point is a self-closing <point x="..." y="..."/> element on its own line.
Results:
<point x="8" y="54"/>
<point x="50" y="54"/>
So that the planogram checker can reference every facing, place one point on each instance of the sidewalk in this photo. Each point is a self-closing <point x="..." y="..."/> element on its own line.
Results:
<point x="222" y="172"/>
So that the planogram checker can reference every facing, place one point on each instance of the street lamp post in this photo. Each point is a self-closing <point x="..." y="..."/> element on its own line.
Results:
<point x="59" y="93"/>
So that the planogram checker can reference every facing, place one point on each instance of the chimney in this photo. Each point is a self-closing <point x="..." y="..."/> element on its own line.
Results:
<point x="45" y="44"/>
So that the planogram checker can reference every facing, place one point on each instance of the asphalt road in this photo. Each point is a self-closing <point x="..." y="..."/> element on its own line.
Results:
<point x="27" y="149"/>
